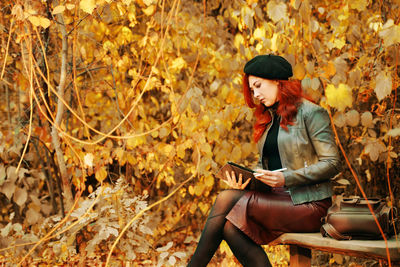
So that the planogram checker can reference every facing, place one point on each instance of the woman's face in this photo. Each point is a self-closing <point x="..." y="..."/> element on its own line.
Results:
<point x="266" y="91"/>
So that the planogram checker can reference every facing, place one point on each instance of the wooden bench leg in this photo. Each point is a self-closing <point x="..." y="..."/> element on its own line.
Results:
<point x="299" y="256"/>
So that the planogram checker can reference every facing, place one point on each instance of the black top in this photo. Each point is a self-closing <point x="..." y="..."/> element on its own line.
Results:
<point x="270" y="149"/>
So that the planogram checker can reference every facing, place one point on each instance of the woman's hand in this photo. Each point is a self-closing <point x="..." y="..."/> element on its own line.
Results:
<point x="271" y="178"/>
<point x="231" y="181"/>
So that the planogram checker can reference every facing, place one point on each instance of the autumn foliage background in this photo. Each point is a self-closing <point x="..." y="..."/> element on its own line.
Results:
<point x="116" y="114"/>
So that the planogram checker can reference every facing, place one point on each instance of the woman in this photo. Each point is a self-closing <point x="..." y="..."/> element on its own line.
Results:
<point x="291" y="133"/>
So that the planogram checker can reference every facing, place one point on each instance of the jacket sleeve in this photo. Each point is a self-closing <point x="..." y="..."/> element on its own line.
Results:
<point x="317" y="124"/>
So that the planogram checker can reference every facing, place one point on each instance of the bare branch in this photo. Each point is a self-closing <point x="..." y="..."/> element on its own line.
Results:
<point x="65" y="177"/>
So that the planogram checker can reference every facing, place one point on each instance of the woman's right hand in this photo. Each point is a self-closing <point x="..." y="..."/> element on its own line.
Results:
<point x="231" y="181"/>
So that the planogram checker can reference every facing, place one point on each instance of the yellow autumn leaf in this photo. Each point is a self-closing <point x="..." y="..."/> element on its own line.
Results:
<point x="149" y="2"/>
<point x="339" y="43"/>
<point x="181" y="150"/>
<point x="390" y="33"/>
<point x="328" y="71"/>
<point x="39" y="21"/>
<point x="198" y="189"/>
<point x="167" y="149"/>
<point x="70" y="6"/>
<point x="299" y="71"/>
<point x="44" y="22"/>
<point x="149" y="10"/>
<point x="101" y="174"/>
<point x="352" y="118"/>
<point x="274" y="46"/>
<point x="259" y="33"/>
<point x="126" y="34"/>
<point x="367" y="119"/>
<point x="340" y="97"/>
<point x="88" y="5"/>
<point x="191" y="190"/>
<point x="88" y="160"/>
<point x="133" y="142"/>
<point x="224" y="248"/>
<point x="193" y="208"/>
<point x="394" y="132"/>
<point x="109" y="46"/>
<point x="276" y="11"/>
<point x="58" y="9"/>
<point x="360" y="5"/>
<point x="203" y="207"/>
<point x="18" y="12"/>
<point x="239" y="40"/>
<point x="209" y="181"/>
<point x="178" y="64"/>
<point x="383" y="85"/>
<point x="34" y="20"/>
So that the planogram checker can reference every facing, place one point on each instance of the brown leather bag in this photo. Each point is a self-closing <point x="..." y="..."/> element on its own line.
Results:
<point x="350" y="218"/>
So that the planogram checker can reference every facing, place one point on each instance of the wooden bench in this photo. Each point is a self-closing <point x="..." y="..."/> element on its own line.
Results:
<point x="301" y="245"/>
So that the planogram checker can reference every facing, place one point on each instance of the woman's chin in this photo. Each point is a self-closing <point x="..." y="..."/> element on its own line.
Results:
<point x="268" y="104"/>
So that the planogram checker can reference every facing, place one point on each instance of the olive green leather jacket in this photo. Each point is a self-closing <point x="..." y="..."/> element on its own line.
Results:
<point x="309" y="152"/>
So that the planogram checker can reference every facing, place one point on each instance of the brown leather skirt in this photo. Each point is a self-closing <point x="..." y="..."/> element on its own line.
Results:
<point x="265" y="216"/>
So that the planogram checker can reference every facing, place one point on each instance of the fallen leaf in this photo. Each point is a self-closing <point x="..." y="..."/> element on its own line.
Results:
<point x="8" y="189"/>
<point x="11" y="174"/>
<point x="20" y="196"/>
<point x="32" y="216"/>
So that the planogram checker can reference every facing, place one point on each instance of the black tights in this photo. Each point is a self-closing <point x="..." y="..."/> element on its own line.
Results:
<point x="217" y="228"/>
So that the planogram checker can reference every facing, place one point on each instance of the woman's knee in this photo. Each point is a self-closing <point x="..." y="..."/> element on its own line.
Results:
<point x="228" y="196"/>
<point x="225" y="201"/>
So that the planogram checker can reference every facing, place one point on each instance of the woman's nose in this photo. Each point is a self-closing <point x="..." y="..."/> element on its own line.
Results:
<point x="256" y="93"/>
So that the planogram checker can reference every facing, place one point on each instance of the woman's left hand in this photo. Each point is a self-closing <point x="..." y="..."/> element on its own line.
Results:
<point x="231" y="181"/>
<point x="271" y="178"/>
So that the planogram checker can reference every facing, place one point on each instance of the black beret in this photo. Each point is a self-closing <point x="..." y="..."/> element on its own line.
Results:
<point x="270" y="67"/>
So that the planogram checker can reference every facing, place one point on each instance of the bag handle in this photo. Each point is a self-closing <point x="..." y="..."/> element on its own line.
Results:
<point x="359" y="200"/>
<point x="328" y="229"/>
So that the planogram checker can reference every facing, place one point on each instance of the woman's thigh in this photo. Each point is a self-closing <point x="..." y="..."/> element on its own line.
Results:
<point x="276" y="212"/>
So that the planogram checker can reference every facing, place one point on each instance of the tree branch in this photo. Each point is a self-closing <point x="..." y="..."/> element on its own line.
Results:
<point x="60" y="111"/>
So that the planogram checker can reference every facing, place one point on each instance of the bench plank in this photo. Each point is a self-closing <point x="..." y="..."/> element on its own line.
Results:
<point x="358" y="248"/>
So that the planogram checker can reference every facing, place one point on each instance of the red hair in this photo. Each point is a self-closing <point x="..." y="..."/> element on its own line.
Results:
<point x="289" y="95"/>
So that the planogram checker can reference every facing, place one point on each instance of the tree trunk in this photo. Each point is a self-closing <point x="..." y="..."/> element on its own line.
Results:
<point x="65" y="176"/>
